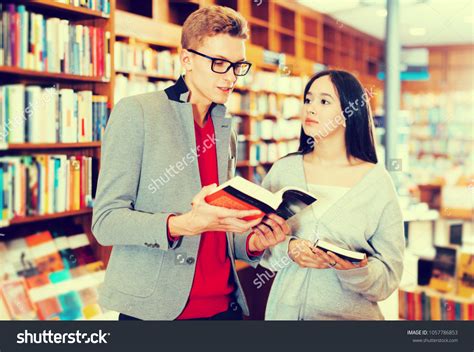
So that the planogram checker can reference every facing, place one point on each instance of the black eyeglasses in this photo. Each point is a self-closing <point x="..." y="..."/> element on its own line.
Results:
<point x="219" y="65"/>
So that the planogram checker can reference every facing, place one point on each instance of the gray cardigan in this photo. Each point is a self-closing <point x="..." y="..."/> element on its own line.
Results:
<point x="149" y="170"/>
<point x="367" y="218"/>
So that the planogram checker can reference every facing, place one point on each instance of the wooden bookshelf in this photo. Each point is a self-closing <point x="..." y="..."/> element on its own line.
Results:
<point x="24" y="226"/>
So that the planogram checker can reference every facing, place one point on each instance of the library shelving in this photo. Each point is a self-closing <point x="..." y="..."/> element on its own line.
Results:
<point x="28" y="71"/>
<point x="440" y="121"/>
<point x="52" y="213"/>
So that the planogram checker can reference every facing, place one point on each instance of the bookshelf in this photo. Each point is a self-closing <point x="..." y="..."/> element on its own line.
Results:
<point x="440" y="124"/>
<point x="98" y="84"/>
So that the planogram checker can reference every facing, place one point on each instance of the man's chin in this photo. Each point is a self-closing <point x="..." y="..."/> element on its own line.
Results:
<point x="220" y="99"/>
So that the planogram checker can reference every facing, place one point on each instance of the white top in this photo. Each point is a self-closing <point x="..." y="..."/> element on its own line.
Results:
<point x="326" y="197"/>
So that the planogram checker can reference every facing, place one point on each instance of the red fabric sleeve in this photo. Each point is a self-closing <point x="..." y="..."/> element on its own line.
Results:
<point x="171" y="239"/>
<point x="249" y="252"/>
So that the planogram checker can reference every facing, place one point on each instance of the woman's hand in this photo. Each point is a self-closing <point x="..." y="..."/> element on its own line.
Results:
<point x="341" y="264"/>
<point x="301" y="252"/>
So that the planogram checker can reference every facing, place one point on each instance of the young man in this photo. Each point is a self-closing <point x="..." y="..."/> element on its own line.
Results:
<point x="163" y="152"/>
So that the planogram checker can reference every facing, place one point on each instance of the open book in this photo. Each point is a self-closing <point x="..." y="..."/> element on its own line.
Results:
<point x="340" y="252"/>
<point x="240" y="194"/>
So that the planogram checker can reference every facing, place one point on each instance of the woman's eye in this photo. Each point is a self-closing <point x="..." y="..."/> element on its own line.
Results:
<point x="307" y="101"/>
<point x="324" y="102"/>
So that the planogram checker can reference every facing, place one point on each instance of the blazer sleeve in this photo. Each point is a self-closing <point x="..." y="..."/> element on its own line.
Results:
<point x="273" y="257"/>
<point x="240" y="240"/>
<point x="114" y="220"/>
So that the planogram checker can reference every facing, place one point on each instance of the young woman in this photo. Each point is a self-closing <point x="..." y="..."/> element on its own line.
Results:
<point x="357" y="209"/>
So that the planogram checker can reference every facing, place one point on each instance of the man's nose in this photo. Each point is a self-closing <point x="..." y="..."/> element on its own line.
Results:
<point x="230" y="75"/>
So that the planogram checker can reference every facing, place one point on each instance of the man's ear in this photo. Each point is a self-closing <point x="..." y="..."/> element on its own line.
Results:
<point x="185" y="58"/>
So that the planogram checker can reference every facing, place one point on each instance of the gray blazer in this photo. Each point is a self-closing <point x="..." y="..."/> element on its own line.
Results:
<point x="149" y="170"/>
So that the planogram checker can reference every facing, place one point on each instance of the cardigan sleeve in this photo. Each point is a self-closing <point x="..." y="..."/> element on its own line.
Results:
<point x="381" y="276"/>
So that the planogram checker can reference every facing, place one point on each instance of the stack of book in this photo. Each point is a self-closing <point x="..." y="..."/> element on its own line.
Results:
<point x="425" y="304"/>
<point x="271" y="152"/>
<point x="125" y="87"/>
<point x="35" y="114"/>
<point x="444" y="289"/>
<point x="29" y="40"/>
<point x="275" y="129"/>
<point x="139" y="59"/>
<point x="291" y="107"/>
<point x="49" y="277"/>
<point x="238" y="103"/>
<point x="97" y="5"/>
<point x="277" y="83"/>
<point x="44" y="184"/>
<point x="440" y="128"/>
<point x="265" y="104"/>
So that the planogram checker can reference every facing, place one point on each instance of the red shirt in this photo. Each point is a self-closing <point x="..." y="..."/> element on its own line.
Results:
<point x="213" y="284"/>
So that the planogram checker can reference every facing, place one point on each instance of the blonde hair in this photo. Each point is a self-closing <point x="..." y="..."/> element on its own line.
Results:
<point x="210" y="21"/>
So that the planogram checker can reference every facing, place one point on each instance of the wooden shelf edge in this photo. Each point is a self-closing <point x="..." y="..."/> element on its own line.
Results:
<point x="10" y="70"/>
<point x="39" y="146"/>
<point x="37" y="218"/>
<point x="259" y="22"/>
<point x="460" y="214"/>
<point x="65" y="8"/>
<point x="146" y="74"/>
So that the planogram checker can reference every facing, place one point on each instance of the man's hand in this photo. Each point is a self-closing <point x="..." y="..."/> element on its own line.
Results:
<point x="204" y="217"/>
<point x="272" y="230"/>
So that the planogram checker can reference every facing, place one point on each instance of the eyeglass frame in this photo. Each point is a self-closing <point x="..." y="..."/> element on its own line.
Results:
<point x="213" y="59"/>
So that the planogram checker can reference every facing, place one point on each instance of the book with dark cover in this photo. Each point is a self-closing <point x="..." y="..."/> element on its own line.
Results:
<point x="342" y="253"/>
<point x="240" y="194"/>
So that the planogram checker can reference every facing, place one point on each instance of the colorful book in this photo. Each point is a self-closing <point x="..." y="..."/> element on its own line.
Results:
<point x="444" y="269"/>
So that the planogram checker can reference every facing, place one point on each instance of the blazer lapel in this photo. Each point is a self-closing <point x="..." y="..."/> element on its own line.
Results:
<point x="184" y="113"/>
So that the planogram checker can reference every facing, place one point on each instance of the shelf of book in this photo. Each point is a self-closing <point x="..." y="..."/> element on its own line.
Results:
<point x="49" y="275"/>
<point x="423" y="303"/>
<point x="68" y="10"/>
<point x="28" y="74"/>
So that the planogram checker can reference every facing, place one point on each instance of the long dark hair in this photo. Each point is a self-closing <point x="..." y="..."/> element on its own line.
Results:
<point x="359" y="124"/>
